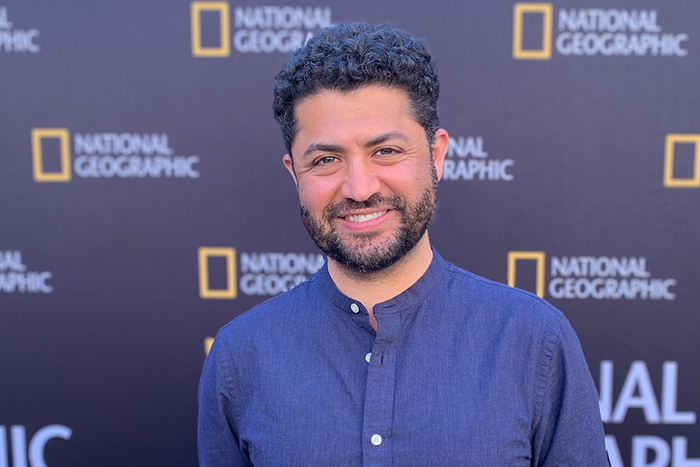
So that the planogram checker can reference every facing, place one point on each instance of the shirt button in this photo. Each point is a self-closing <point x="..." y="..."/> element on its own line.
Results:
<point x="376" y="440"/>
<point x="368" y="356"/>
<point x="355" y="308"/>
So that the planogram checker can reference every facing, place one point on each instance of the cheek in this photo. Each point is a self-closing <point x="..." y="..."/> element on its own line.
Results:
<point x="408" y="179"/>
<point x="318" y="193"/>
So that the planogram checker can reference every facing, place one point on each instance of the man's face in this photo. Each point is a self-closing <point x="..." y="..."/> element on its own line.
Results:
<point x="367" y="182"/>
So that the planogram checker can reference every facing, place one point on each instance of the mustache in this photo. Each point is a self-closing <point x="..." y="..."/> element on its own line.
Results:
<point x="376" y="200"/>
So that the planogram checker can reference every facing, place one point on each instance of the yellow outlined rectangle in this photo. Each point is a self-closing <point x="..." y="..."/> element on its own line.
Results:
<point x="63" y="137"/>
<point x="519" y="9"/>
<point x="229" y="254"/>
<point x="224" y="48"/>
<point x="669" y="181"/>
<point x="538" y="256"/>
<point x="208" y="341"/>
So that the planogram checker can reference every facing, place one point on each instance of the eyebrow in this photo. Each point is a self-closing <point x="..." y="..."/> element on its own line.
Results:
<point x="386" y="136"/>
<point x="327" y="147"/>
<point x="321" y="147"/>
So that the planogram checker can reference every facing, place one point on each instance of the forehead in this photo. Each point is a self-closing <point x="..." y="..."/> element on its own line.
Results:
<point x="361" y="112"/>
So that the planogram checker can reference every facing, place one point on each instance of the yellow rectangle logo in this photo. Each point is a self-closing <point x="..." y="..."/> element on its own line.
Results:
<point x="669" y="180"/>
<point x="205" y="291"/>
<point x="38" y="134"/>
<point x="545" y="52"/>
<point x="538" y="256"/>
<point x="224" y="48"/>
<point x="208" y="341"/>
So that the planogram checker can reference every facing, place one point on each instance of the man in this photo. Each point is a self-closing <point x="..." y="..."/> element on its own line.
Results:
<point x="389" y="355"/>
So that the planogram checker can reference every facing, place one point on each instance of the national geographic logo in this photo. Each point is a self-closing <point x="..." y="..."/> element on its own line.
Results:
<point x="258" y="29"/>
<point x="467" y="160"/>
<point x="671" y="179"/>
<point x="597" y="277"/>
<point x="34" y="450"/>
<point x="591" y="31"/>
<point x="106" y="155"/>
<point x="260" y="273"/>
<point x="16" y="40"/>
<point x="15" y="276"/>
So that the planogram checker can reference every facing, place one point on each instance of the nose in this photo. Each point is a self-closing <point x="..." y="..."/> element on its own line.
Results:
<point x="360" y="180"/>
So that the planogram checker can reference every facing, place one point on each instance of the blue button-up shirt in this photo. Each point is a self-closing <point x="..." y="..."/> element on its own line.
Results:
<point x="462" y="371"/>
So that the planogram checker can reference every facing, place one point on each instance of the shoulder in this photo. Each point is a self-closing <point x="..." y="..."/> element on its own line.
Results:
<point x="274" y="316"/>
<point x="500" y="300"/>
<point x="528" y="323"/>
<point x="254" y="341"/>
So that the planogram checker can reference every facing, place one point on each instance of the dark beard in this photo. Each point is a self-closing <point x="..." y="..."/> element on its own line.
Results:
<point x="366" y="256"/>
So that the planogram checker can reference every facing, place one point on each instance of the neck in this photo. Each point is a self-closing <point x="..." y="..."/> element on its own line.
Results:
<point x="380" y="286"/>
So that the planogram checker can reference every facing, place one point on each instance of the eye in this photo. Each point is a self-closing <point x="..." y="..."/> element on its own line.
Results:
<point x="325" y="160"/>
<point x="387" y="152"/>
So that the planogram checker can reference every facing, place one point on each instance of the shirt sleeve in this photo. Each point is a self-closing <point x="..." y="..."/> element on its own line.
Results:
<point x="570" y="430"/>
<point x="217" y="436"/>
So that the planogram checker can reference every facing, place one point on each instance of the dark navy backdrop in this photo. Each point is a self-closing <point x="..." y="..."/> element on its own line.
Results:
<point x="143" y="202"/>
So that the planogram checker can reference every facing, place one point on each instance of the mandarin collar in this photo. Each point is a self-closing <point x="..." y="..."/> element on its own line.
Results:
<point x="406" y="300"/>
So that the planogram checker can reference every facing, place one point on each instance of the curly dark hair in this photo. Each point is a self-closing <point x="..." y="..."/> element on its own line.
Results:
<point x="347" y="57"/>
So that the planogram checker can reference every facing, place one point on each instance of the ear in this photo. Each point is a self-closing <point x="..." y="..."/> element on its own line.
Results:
<point x="289" y="164"/>
<point x="442" y="140"/>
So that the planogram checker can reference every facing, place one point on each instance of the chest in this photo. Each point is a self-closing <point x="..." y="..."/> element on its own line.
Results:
<point x="407" y="406"/>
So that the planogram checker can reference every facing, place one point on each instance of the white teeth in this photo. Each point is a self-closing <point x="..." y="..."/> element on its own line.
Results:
<point x="365" y="217"/>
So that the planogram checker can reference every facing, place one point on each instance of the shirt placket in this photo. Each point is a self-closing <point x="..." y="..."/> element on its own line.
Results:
<point x="377" y="439"/>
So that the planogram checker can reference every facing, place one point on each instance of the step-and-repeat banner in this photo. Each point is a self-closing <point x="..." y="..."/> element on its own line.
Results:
<point x="144" y="204"/>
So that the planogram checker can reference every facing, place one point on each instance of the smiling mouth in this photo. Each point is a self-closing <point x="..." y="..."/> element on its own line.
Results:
<point x="364" y="217"/>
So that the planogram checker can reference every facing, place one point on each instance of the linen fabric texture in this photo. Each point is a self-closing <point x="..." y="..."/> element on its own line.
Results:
<point x="463" y="371"/>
